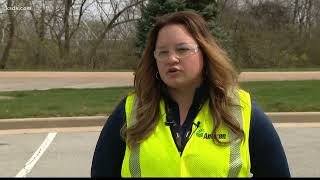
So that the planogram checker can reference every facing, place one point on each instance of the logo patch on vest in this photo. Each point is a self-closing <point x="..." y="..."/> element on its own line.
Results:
<point x="200" y="132"/>
<point x="222" y="135"/>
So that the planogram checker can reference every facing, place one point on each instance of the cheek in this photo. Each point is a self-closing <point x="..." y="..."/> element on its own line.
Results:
<point x="200" y="60"/>
<point x="160" y="67"/>
<point x="194" y="65"/>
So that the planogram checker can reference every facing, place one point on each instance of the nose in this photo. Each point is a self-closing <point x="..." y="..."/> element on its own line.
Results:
<point x="172" y="58"/>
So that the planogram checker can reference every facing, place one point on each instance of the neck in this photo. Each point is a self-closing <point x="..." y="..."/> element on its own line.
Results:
<point x="183" y="97"/>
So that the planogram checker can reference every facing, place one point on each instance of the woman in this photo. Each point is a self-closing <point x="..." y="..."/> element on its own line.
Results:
<point x="187" y="116"/>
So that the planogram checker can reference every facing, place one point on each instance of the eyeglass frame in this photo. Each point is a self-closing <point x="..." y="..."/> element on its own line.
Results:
<point x="194" y="49"/>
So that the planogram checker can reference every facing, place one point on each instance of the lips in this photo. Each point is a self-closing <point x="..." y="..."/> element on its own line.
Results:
<point x="173" y="70"/>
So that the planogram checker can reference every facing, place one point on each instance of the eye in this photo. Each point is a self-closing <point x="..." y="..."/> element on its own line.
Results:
<point x="163" y="52"/>
<point x="182" y="49"/>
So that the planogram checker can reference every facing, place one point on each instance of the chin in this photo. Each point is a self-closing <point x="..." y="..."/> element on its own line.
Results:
<point x="175" y="84"/>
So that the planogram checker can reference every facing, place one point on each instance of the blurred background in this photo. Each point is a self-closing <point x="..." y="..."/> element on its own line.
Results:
<point x="102" y="35"/>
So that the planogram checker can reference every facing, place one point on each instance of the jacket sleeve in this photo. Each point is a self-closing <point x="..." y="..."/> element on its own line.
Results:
<point x="267" y="155"/>
<point x="110" y="148"/>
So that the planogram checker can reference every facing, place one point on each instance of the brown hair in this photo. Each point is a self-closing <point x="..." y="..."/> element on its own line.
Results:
<point x="220" y="77"/>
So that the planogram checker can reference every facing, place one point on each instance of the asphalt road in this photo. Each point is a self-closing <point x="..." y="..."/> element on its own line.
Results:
<point x="13" y="81"/>
<point x="70" y="152"/>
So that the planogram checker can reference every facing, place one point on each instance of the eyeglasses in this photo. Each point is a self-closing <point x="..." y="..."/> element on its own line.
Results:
<point x="181" y="51"/>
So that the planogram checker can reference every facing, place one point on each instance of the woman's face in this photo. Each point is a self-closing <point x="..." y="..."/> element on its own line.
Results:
<point x="179" y="61"/>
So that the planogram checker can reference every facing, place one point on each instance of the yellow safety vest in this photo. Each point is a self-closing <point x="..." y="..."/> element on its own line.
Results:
<point x="158" y="156"/>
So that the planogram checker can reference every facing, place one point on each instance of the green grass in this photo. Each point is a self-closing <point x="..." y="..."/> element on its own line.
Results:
<point x="274" y="96"/>
<point x="285" y="96"/>
<point x="68" y="70"/>
<point x="60" y="102"/>
<point x="279" y="69"/>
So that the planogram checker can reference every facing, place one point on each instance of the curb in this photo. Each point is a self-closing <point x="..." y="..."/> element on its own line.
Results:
<point x="87" y="121"/>
<point x="294" y="117"/>
<point x="52" y="122"/>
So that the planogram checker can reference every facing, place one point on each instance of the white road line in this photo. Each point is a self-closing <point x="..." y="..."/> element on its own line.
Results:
<point x="36" y="156"/>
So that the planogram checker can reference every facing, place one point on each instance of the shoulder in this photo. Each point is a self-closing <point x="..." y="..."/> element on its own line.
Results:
<point x="262" y="130"/>
<point x="110" y="147"/>
<point x="258" y="117"/>
<point x="266" y="151"/>
<point x="118" y="115"/>
<point x="130" y="99"/>
<point x="244" y="95"/>
<point x="124" y="103"/>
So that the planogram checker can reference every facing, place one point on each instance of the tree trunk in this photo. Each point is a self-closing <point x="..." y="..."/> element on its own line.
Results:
<point x="4" y="58"/>
<point x="295" y="11"/>
<point x="39" y="24"/>
<point x="65" y="47"/>
<point x="66" y="27"/>
<point x="309" y="23"/>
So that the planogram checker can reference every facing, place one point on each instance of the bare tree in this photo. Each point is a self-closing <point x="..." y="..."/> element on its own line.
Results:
<point x="38" y="18"/>
<point x="295" y="11"/>
<point x="222" y="4"/>
<point x="303" y="15"/>
<point x="11" y="31"/>
<point x="66" y="21"/>
<point x="113" y="19"/>
<point x="308" y="18"/>
<point x="2" y="29"/>
<point x="38" y="14"/>
<point x="316" y="14"/>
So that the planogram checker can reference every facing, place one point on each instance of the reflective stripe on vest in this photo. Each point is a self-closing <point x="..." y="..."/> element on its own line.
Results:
<point x="158" y="155"/>
<point x="235" y="157"/>
<point x="134" y="163"/>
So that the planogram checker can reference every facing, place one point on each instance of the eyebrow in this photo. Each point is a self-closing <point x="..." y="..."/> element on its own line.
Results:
<point x="179" y="44"/>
